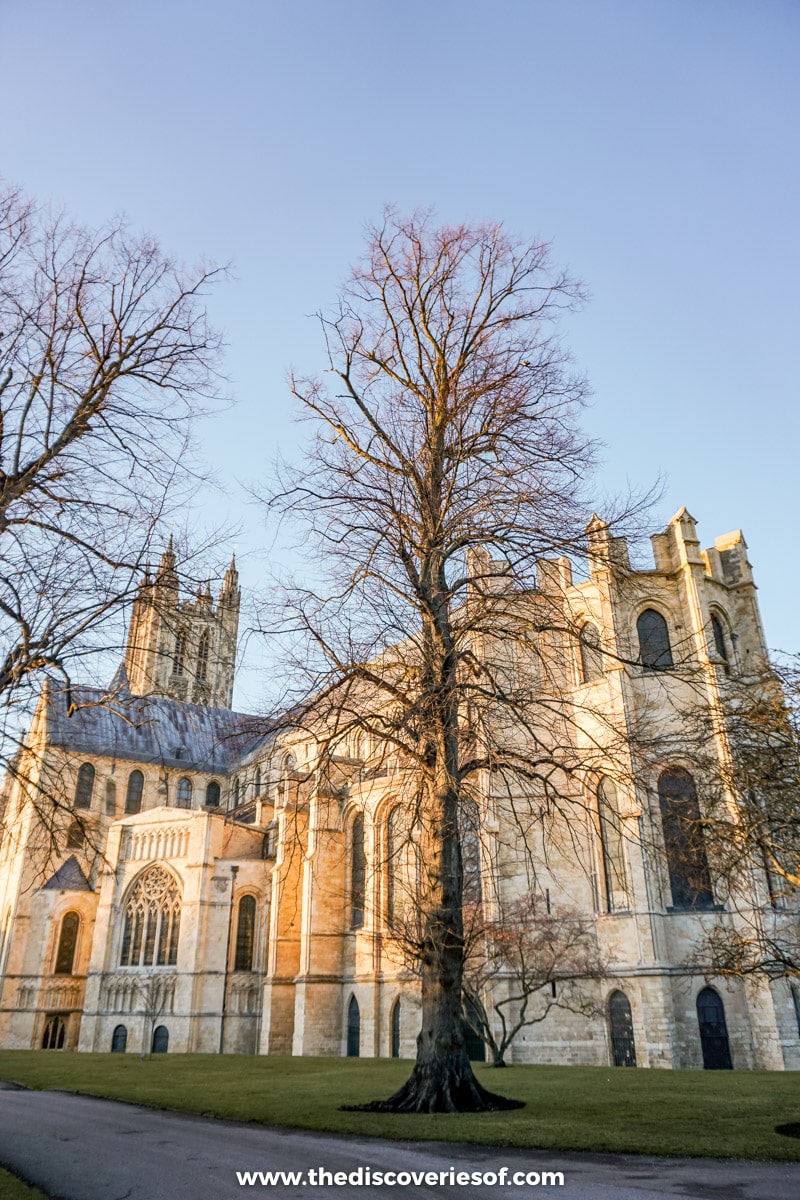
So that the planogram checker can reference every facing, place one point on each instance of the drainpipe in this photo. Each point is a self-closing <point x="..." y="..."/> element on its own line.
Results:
<point x="234" y="873"/>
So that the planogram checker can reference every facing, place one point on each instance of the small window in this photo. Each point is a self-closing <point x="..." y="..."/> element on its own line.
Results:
<point x="655" y="652"/>
<point x="202" y="656"/>
<point x="67" y="942"/>
<point x="213" y="794"/>
<point x="119" y="1040"/>
<point x="75" y="836"/>
<point x="54" y="1033"/>
<point x="258" y="781"/>
<point x="133" y="796"/>
<point x="393" y="849"/>
<point x="85" y="786"/>
<point x="353" y="1029"/>
<point x="236" y="793"/>
<point x="591" y="654"/>
<point x="160" y="1039"/>
<point x="179" y="661"/>
<point x="358" y="874"/>
<point x="111" y="798"/>
<point x="184" y="793"/>
<point x="245" y="934"/>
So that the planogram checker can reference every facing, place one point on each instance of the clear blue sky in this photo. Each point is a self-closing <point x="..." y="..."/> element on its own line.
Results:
<point x="655" y="141"/>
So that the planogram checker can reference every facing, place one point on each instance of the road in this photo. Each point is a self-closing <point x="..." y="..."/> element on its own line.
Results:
<point x="78" y="1148"/>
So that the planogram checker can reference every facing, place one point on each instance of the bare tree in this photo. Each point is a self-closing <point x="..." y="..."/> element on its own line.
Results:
<point x="523" y="963"/>
<point x="447" y="464"/>
<point x="155" y="994"/>
<point x="106" y="355"/>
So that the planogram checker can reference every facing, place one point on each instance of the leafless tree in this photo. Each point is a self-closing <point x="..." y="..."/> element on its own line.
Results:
<point x="154" y="994"/>
<point x="523" y="963"/>
<point x="106" y="355"/>
<point x="447" y="470"/>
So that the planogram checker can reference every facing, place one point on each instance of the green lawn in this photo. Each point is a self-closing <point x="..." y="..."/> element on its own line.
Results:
<point x="725" y="1114"/>
<point x="12" y="1188"/>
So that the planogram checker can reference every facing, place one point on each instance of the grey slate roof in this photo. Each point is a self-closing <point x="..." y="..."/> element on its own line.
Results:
<point x="68" y="878"/>
<point x="153" y="729"/>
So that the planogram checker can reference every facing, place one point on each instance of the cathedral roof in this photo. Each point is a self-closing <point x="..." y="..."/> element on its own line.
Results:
<point x="153" y="729"/>
<point x="69" y="877"/>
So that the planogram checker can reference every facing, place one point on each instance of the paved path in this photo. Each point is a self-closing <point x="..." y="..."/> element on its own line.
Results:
<point x="77" y="1148"/>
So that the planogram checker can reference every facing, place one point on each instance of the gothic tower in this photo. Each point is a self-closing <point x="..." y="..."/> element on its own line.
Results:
<point x="183" y="649"/>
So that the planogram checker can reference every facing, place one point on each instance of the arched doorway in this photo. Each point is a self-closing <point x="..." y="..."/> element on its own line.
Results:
<point x="353" y="1029"/>
<point x="160" y="1039"/>
<point x="623" y="1045"/>
<point x="396" y="1029"/>
<point x="119" y="1040"/>
<point x="713" y="1031"/>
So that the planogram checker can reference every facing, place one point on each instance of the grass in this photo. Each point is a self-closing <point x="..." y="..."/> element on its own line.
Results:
<point x="721" y="1114"/>
<point x="12" y="1188"/>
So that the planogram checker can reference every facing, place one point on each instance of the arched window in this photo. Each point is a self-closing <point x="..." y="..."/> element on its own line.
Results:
<point x="202" y="656"/>
<point x="393" y="850"/>
<point x="358" y="873"/>
<point x="213" y="794"/>
<point x="615" y="875"/>
<point x="720" y="643"/>
<point x="67" y="942"/>
<point x="245" y="934"/>
<point x="152" y="921"/>
<point x="236" y="792"/>
<point x="75" y="836"/>
<point x="655" y="652"/>
<point x="119" y="1039"/>
<point x="85" y="786"/>
<point x="395" y="1026"/>
<point x="689" y="877"/>
<point x="133" y="796"/>
<point x="470" y="853"/>
<point x="160" y="1039"/>
<point x="713" y="1031"/>
<point x="54" y="1033"/>
<point x="258" y="781"/>
<point x="591" y="654"/>
<point x="111" y="798"/>
<point x="620" y="1018"/>
<point x="184" y="793"/>
<point x="353" y="1029"/>
<point x="179" y="661"/>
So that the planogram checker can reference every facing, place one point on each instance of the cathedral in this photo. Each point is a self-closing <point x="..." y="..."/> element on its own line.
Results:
<point x="179" y="877"/>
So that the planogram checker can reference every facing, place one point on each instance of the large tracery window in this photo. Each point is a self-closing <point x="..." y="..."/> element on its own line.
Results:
<point x="152" y="921"/>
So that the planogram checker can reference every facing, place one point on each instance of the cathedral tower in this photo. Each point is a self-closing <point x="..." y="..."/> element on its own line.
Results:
<point x="183" y="649"/>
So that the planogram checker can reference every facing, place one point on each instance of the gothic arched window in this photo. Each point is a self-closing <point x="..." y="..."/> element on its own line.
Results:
<point x="393" y="849"/>
<point x="620" y="1018"/>
<point x="119" y="1039"/>
<point x="245" y="934"/>
<point x="179" y="660"/>
<point x="689" y="876"/>
<point x="720" y="643"/>
<point x="202" y="656"/>
<point x="353" y="1029"/>
<point x="67" y="943"/>
<point x="395" y="1026"/>
<point x="54" y="1034"/>
<point x="152" y="921"/>
<point x="85" y="786"/>
<point x="591" y="654"/>
<point x="133" y="796"/>
<point x="358" y="873"/>
<point x="111" y="797"/>
<point x="655" y="652"/>
<point x="213" y="794"/>
<point x="615" y="875"/>
<point x="184" y="793"/>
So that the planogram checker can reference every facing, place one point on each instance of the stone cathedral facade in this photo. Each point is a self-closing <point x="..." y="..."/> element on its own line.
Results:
<point x="176" y="876"/>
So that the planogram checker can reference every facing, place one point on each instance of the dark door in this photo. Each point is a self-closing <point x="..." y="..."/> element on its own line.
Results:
<point x="623" y="1045"/>
<point x="119" y="1041"/>
<point x="160" y="1039"/>
<point x="353" y="1029"/>
<point x="713" y="1031"/>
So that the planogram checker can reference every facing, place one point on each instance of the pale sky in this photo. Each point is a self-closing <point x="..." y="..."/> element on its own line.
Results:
<point x="654" y="141"/>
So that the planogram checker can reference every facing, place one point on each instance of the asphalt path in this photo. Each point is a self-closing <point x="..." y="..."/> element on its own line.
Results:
<point x="79" y="1148"/>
